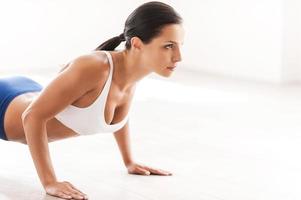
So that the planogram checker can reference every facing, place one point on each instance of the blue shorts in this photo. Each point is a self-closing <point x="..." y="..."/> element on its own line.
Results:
<point x="11" y="87"/>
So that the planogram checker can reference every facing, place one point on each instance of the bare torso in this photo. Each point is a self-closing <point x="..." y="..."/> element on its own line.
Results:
<point x="13" y="124"/>
<point x="55" y="129"/>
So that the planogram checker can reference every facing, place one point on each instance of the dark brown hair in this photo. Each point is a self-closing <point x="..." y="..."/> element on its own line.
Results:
<point x="144" y="22"/>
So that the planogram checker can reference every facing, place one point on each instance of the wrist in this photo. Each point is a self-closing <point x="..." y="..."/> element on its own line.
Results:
<point x="48" y="182"/>
<point x="128" y="163"/>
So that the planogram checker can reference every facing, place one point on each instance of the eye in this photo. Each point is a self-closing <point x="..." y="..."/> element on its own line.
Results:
<point x="168" y="46"/>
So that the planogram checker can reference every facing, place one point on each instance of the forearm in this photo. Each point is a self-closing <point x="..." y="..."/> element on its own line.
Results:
<point x="122" y="137"/>
<point x="36" y="137"/>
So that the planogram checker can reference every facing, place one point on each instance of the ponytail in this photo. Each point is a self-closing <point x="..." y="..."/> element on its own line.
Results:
<point x="112" y="43"/>
<point x="145" y="22"/>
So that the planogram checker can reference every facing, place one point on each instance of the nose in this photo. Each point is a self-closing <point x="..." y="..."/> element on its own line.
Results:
<point x="177" y="56"/>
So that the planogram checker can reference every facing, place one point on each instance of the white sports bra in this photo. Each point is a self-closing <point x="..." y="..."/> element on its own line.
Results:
<point x="91" y="119"/>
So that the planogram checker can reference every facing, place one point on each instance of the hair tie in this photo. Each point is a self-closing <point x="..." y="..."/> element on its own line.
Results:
<point x="121" y="37"/>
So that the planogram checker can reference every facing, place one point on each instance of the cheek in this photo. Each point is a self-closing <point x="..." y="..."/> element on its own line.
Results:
<point x="161" y="61"/>
<point x="155" y="59"/>
<point x="158" y="58"/>
<point x="163" y="57"/>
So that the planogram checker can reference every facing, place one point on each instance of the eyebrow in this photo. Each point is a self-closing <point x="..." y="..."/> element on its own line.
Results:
<point x="174" y="42"/>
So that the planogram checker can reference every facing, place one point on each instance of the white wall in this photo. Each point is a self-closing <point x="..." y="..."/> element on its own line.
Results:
<point x="235" y="37"/>
<point x="46" y="34"/>
<point x="43" y="34"/>
<point x="255" y="40"/>
<point x="292" y="41"/>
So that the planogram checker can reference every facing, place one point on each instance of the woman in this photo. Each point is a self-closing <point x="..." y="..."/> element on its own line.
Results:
<point x="98" y="86"/>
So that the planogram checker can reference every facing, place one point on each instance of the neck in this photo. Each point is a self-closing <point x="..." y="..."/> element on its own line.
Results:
<point x="128" y="69"/>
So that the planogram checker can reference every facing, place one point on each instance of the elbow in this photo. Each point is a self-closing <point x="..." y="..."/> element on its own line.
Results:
<point x="26" y="120"/>
<point x="33" y="125"/>
<point x="28" y="123"/>
<point x="30" y="116"/>
<point x="25" y="115"/>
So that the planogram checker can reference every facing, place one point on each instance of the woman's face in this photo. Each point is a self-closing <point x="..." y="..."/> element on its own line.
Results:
<point x="163" y="53"/>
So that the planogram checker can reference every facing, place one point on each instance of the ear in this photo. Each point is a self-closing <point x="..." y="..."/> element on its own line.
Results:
<point x="136" y="43"/>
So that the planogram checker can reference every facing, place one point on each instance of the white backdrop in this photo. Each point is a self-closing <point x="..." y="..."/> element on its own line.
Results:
<point x="256" y="40"/>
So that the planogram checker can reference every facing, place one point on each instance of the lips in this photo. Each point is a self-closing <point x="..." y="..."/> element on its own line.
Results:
<point x="171" y="68"/>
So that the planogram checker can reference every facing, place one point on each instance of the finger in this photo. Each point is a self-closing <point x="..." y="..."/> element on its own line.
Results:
<point x="74" y="188"/>
<point x="78" y="193"/>
<point x="73" y="195"/>
<point x="165" y="173"/>
<point x="158" y="171"/>
<point x="143" y="171"/>
<point x="63" y="195"/>
<point x="139" y="171"/>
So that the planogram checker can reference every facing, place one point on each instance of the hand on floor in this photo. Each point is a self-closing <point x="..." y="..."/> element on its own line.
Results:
<point x="64" y="190"/>
<point x="135" y="168"/>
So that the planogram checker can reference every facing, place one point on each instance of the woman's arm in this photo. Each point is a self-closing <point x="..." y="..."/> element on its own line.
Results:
<point x="122" y="137"/>
<point x="68" y="86"/>
<point x="36" y="137"/>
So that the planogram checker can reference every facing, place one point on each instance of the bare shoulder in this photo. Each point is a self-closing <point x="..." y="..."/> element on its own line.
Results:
<point x="82" y="75"/>
<point x="95" y="65"/>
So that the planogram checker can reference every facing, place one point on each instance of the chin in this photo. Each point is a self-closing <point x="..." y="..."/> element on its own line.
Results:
<point x="168" y="75"/>
<point x="165" y="74"/>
